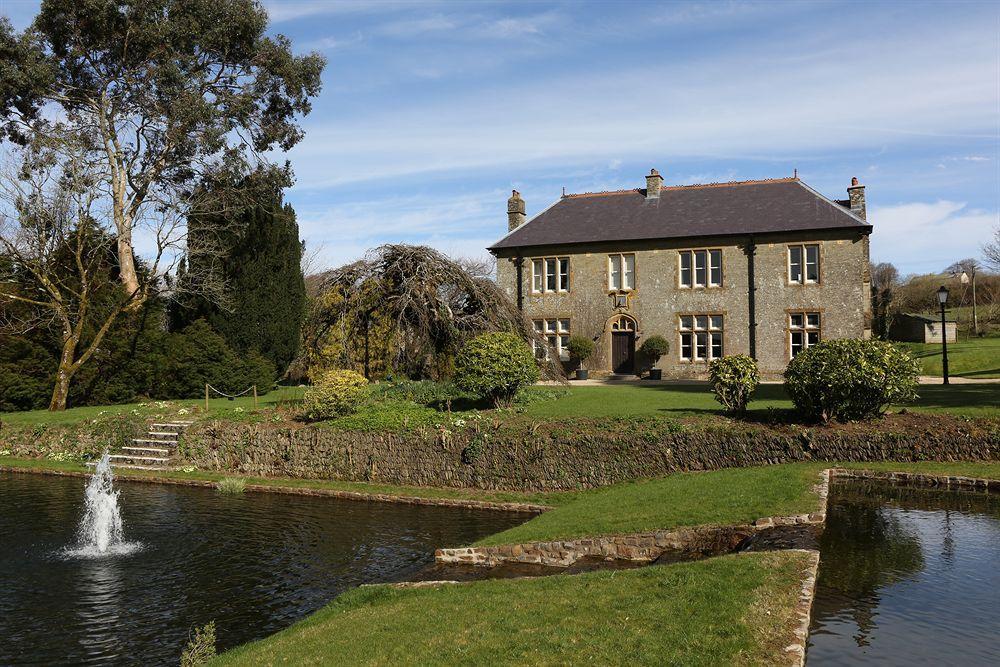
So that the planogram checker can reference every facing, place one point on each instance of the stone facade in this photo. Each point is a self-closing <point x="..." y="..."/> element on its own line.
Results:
<point x="656" y="301"/>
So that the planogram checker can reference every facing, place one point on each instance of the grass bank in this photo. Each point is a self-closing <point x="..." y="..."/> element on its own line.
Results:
<point x="967" y="357"/>
<point x="728" y="610"/>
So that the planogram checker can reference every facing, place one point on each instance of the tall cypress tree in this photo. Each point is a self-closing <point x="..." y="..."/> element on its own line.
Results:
<point x="255" y="253"/>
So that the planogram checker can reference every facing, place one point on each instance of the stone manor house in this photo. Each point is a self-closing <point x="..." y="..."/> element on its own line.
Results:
<point x="765" y="268"/>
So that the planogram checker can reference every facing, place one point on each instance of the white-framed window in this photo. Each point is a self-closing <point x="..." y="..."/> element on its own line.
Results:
<point x="556" y="334"/>
<point x="549" y="274"/>
<point x="700" y="337"/>
<point x="621" y="271"/>
<point x="701" y="268"/>
<point x="803" y="263"/>
<point x="804" y="331"/>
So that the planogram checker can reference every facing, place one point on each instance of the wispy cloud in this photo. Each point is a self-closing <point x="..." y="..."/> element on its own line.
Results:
<point x="928" y="236"/>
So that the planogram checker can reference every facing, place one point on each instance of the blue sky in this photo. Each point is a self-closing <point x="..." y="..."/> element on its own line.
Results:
<point x="433" y="111"/>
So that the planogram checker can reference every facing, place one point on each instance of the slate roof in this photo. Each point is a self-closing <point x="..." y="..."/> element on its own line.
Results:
<point x="717" y="209"/>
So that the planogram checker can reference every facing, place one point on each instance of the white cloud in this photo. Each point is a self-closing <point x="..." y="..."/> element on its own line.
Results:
<point x="922" y="237"/>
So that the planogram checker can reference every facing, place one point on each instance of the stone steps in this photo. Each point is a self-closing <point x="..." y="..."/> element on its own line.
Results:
<point x="154" y="451"/>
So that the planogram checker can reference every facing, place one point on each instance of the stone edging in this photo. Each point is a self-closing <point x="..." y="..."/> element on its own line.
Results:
<point x="803" y="609"/>
<point x="303" y="491"/>
<point x="641" y="547"/>
<point x="920" y="478"/>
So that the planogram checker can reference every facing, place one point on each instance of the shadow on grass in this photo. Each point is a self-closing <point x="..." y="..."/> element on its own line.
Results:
<point x="959" y="396"/>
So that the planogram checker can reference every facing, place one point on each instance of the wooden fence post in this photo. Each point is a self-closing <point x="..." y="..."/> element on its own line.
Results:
<point x="255" y="397"/>
<point x="206" y="397"/>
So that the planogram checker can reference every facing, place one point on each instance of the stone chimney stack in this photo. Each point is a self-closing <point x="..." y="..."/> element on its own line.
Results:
<point x="653" y="184"/>
<point x="515" y="211"/>
<point x="857" y="195"/>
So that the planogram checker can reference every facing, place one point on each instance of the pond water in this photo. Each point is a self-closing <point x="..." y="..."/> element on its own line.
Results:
<point x="908" y="575"/>
<point x="253" y="563"/>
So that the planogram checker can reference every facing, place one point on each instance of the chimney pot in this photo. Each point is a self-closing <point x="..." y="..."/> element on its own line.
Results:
<point x="515" y="211"/>
<point x="856" y="193"/>
<point x="653" y="184"/>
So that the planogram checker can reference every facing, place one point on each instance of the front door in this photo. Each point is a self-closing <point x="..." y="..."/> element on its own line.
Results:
<point x="623" y="351"/>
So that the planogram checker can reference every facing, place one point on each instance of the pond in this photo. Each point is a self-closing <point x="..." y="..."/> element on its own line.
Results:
<point x="908" y="575"/>
<point x="253" y="563"/>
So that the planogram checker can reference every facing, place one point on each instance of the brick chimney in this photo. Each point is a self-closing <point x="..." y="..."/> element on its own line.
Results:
<point x="857" y="198"/>
<point x="515" y="211"/>
<point x="653" y="184"/>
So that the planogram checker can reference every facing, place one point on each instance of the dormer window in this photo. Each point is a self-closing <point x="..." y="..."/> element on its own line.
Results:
<point x="621" y="272"/>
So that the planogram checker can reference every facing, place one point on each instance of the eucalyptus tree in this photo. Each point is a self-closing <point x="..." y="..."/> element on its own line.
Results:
<point x="146" y="98"/>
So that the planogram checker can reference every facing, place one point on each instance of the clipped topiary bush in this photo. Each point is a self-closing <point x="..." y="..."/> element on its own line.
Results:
<point x="654" y="347"/>
<point x="580" y="348"/>
<point x="850" y="379"/>
<point x="495" y="366"/>
<point x="336" y="393"/>
<point x="734" y="379"/>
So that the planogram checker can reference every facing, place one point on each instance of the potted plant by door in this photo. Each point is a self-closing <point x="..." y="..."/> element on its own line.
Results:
<point x="652" y="349"/>
<point x="580" y="349"/>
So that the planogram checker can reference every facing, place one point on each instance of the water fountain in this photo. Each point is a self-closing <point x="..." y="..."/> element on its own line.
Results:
<point x="100" y="532"/>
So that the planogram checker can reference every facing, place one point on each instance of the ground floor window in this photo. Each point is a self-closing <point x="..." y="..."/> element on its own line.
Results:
<point x="803" y="331"/>
<point x="701" y="337"/>
<point x="556" y="334"/>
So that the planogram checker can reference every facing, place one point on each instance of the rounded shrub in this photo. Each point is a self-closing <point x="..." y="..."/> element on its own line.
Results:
<point x="336" y="393"/>
<point x="654" y="347"/>
<point x="580" y="348"/>
<point x="495" y="366"/>
<point x="734" y="379"/>
<point x="850" y="379"/>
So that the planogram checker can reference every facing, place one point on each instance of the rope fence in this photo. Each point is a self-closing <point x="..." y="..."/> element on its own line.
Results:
<point x="231" y="397"/>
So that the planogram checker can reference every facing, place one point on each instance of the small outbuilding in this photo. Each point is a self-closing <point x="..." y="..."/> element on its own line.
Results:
<point x="921" y="328"/>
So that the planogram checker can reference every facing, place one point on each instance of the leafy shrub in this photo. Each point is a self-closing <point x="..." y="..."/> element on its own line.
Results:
<point x="850" y="379"/>
<point x="26" y="374"/>
<point x="734" y="379"/>
<point x="200" y="648"/>
<point x="495" y="366"/>
<point x="421" y="392"/>
<point x="338" y="392"/>
<point x="580" y="348"/>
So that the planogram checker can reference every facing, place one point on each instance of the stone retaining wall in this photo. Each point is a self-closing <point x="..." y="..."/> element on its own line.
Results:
<point x="564" y="456"/>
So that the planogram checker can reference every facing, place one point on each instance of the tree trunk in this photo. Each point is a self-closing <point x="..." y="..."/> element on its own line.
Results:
<point x="63" y="375"/>
<point x="126" y="261"/>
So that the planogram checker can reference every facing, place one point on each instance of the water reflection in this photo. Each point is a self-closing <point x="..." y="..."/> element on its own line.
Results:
<point x="907" y="574"/>
<point x="254" y="564"/>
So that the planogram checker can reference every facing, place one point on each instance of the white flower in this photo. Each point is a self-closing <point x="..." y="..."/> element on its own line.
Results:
<point x="238" y="410"/>
<point x="183" y="411"/>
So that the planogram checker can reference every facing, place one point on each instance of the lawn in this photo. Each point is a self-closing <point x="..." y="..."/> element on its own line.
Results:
<point x="719" y="497"/>
<point x="728" y="610"/>
<point x="157" y="409"/>
<point x="968" y="357"/>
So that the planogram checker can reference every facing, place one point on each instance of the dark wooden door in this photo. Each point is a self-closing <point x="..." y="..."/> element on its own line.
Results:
<point x="623" y="351"/>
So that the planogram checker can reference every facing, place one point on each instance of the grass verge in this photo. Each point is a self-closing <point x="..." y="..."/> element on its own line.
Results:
<point x="727" y="610"/>
<point x="967" y="357"/>
<point x="719" y="497"/>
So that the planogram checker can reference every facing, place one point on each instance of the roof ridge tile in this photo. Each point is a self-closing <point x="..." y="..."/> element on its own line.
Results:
<point x="692" y="186"/>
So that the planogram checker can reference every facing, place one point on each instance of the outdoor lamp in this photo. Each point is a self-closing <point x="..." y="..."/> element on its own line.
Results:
<point x="942" y="295"/>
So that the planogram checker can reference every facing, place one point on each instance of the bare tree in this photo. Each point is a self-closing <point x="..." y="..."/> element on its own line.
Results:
<point x="992" y="251"/>
<point x="60" y="268"/>
<point x="967" y="270"/>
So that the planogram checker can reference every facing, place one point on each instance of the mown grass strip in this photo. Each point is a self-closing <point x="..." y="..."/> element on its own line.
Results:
<point x="728" y="610"/>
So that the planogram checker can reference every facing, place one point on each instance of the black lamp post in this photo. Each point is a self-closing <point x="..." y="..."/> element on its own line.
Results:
<point x="942" y="295"/>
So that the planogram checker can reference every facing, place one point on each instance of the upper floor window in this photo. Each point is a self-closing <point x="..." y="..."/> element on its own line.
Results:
<point x="701" y="268"/>
<point x="556" y="334"/>
<point x="550" y="274"/>
<point x="803" y="263"/>
<point x="803" y="331"/>
<point x="621" y="272"/>
<point x="701" y="337"/>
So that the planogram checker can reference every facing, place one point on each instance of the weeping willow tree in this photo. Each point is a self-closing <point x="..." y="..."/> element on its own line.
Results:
<point x="405" y="311"/>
